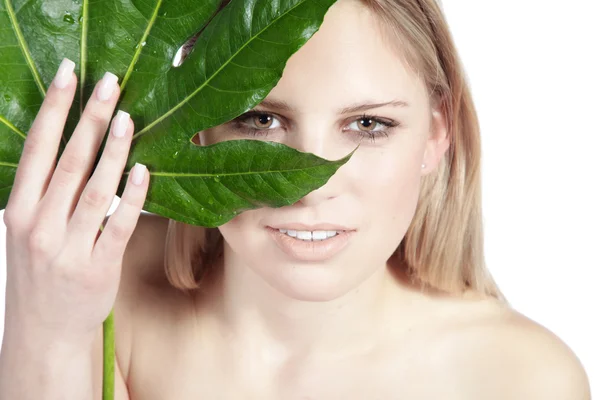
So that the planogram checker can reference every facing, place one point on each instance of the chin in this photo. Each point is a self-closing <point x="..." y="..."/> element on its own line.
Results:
<point x="310" y="282"/>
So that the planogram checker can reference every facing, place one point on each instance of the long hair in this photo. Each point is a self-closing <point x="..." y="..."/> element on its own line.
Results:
<point x="443" y="246"/>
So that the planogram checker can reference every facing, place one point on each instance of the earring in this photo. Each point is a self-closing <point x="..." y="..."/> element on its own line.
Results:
<point x="422" y="166"/>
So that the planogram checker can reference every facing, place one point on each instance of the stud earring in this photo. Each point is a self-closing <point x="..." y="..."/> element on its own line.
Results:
<point x="422" y="166"/>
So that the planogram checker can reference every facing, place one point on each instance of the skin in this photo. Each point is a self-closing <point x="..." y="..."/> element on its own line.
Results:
<point x="270" y="327"/>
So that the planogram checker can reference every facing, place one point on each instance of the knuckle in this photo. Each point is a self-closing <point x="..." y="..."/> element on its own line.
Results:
<point x="96" y="117"/>
<point x="94" y="198"/>
<point x="40" y="242"/>
<point x="54" y="100"/>
<point x="114" y="152"/>
<point x="131" y="203"/>
<point x="71" y="162"/>
<point x="9" y="219"/>
<point x="14" y="220"/>
<point x="119" y="232"/>
<point x="33" y="143"/>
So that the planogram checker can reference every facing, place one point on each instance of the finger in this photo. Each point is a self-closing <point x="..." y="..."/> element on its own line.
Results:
<point x="37" y="160"/>
<point x="100" y="190"/>
<point x="110" y="247"/>
<point x="77" y="160"/>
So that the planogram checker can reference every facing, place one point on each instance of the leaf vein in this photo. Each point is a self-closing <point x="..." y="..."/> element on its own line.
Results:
<point x="23" y="45"/>
<point x="12" y="127"/>
<point x="140" y="45"/>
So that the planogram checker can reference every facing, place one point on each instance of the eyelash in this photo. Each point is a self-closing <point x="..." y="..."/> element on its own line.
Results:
<point x="373" y="135"/>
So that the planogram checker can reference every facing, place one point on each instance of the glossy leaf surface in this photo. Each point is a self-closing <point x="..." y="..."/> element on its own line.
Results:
<point x="238" y="57"/>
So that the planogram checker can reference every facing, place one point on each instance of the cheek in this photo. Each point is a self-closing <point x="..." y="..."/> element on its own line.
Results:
<point x="390" y="187"/>
<point x="390" y="173"/>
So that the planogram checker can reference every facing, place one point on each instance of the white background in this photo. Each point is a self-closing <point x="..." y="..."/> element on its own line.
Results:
<point x="534" y="71"/>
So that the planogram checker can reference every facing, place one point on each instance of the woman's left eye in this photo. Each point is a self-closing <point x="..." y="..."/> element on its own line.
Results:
<point x="370" y="121"/>
<point x="261" y="123"/>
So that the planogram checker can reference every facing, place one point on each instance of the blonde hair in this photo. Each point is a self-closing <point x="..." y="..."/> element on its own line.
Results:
<point x="443" y="246"/>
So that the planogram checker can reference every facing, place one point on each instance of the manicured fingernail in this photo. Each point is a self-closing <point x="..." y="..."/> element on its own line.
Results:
<point x="138" y="173"/>
<point x="120" y="123"/>
<point x="64" y="73"/>
<point x="107" y="86"/>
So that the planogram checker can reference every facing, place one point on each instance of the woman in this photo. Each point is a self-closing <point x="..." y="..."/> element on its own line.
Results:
<point x="397" y="304"/>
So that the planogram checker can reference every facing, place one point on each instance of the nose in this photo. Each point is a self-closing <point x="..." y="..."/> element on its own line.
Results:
<point x="321" y="144"/>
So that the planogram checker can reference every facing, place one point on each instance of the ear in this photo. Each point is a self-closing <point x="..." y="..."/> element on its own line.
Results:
<point x="438" y="141"/>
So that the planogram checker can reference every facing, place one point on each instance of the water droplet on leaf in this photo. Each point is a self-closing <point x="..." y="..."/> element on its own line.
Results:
<point x="80" y="18"/>
<point x="7" y="97"/>
<point x="217" y="179"/>
<point x="175" y="154"/>
<point x="143" y="43"/>
<point x="68" y="18"/>
<point x="211" y="201"/>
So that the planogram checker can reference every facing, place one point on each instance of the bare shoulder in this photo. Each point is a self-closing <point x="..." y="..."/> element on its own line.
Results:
<point x="502" y="354"/>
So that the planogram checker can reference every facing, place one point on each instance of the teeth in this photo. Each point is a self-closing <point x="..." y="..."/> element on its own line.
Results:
<point x="308" y="235"/>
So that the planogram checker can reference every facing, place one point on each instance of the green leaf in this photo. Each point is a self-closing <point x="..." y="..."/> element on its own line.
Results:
<point x="238" y="57"/>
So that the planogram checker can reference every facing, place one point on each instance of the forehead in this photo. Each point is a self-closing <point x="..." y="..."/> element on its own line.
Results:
<point x="347" y="60"/>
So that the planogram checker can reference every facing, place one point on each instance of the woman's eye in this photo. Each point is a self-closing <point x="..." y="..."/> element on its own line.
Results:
<point x="367" y="124"/>
<point x="262" y="122"/>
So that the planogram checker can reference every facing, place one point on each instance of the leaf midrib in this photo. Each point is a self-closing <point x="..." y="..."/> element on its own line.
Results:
<point x="223" y="174"/>
<point x="28" y="59"/>
<point x="23" y="45"/>
<point x="185" y="100"/>
<point x="140" y="45"/>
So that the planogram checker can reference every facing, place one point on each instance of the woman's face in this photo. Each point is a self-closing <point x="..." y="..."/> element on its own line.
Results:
<point x="375" y="193"/>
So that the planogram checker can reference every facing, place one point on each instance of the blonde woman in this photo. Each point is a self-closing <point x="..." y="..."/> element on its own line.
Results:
<point x="374" y="286"/>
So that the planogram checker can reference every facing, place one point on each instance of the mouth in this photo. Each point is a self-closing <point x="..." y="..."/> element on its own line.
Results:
<point x="310" y="245"/>
<point x="314" y="235"/>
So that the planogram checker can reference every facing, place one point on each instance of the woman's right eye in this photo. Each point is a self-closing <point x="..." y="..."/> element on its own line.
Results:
<point x="260" y="123"/>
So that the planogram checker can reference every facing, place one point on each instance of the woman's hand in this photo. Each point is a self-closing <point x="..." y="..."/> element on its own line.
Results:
<point x="63" y="273"/>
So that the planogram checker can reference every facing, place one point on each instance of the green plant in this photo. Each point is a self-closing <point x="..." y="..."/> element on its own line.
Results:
<point x="238" y="56"/>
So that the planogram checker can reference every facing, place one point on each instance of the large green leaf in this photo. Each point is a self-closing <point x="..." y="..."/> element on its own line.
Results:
<point x="238" y="57"/>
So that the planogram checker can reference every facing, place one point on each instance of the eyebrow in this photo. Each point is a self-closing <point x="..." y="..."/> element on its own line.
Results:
<point x="283" y="106"/>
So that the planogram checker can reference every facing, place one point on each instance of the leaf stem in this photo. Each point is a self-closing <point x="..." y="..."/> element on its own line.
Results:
<point x="108" y="354"/>
<point x="108" y="373"/>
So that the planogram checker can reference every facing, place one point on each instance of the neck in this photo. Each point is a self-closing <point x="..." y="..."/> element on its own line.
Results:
<point x="253" y="313"/>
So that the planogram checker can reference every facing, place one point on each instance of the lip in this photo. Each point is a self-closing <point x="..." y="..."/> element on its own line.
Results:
<point x="296" y="226"/>
<point x="319" y="250"/>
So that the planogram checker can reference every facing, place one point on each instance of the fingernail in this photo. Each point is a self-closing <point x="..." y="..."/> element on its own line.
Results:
<point x="64" y="73"/>
<point x="107" y="86"/>
<point x="138" y="173"/>
<point x="120" y="123"/>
